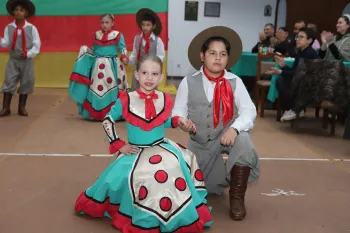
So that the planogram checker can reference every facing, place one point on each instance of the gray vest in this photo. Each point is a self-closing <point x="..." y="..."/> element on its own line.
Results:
<point x="152" y="46"/>
<point x="16" y="53"/>
<point x="200" y="111"/>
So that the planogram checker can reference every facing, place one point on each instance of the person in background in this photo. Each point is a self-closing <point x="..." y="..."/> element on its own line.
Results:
<point x="284" y="44"/>
<point x="337" y="47"/>
<point x="304" y="40"/>
<point x="316" y="45"/>
<point x="266" y="38"/>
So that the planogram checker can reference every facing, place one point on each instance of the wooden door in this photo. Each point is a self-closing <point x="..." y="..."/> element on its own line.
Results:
<point x="323" y="13"/>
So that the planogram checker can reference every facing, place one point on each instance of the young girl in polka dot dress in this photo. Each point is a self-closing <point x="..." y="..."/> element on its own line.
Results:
<point x="99" y="73"/>
<point x="154" y="185"/>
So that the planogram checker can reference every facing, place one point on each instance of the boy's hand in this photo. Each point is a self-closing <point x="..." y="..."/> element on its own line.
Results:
<point x="187" y="125"/>
<point x="228" y="139"/>
<point x="23" y="56"/>
<point x="128" y="149"/>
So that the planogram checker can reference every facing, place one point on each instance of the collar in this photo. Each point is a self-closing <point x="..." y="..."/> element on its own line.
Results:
<point x="25" y="24"/>
<point x="153" y="36"/>
<point x="227" y="75"/>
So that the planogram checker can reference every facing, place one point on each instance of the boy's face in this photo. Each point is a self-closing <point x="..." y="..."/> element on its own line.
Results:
<point x="106" y="23"/>
<point x="216" y="57"/>
<point x="302" y="41"/>
<point x="147" y="27"/>
<point x="149" y="76"/>
<point x="20" y="12"/>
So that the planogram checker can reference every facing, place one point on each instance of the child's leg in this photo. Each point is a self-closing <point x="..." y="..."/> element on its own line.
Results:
<point x="26" y="85"/>
<point x="9" y="86"/>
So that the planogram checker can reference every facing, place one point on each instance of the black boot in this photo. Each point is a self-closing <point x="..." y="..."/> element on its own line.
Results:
<point x="239" y="181"/>
<point x="22" y="105"/>
<point x="6" y="105"/>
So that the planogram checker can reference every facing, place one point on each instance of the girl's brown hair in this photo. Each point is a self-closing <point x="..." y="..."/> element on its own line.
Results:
<point x="107" y="15"/>
<point x="148" y="57"/>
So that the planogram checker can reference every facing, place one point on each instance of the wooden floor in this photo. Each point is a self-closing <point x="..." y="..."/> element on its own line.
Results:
<point x="38" y="192"/>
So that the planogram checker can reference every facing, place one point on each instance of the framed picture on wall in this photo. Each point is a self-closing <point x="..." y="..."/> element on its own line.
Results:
<point x="191" y="10"/>
<point x="212" y="9"/>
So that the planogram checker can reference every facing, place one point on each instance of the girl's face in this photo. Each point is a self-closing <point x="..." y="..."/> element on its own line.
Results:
<point x="342" y="26"/>
<point x="149" y="76"/>
<point x="215" y="58"/>
<point x="20" y="12"/>
<point x="107" y="23"/>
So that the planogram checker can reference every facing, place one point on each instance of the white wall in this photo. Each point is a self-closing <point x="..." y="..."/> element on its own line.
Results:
<point x="246" y="17"/>
<point x="282" y="14"/>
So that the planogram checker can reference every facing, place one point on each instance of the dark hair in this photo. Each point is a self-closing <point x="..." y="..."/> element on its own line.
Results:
<point x="149" y="17"/>
<point x="149" y="57"/>
<point x="310" y="34"/>
<point x="107" y="15"/>
<point x="300" y="21"/>
<point x="269" y="24"/>
<point x="347" y="21"/>
<point x="285" y="29"/>
<point x="207" y="43"/>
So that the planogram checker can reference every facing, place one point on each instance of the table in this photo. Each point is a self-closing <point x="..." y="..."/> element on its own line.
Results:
<point x="247" y="65"/>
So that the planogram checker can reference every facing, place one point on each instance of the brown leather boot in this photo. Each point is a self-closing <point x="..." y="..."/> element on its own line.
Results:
<point x="22" y="105"/>
<point x="6" y="111"/>
<point x="239" y="181"/>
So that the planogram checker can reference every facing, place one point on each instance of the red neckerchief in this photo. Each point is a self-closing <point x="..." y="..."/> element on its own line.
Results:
<point x="147" y="46"/>
<point x="223" y="91"/>
<point x="14" y="38"/>
<point x="150" y="109"/>
<point x="105" y="35"/>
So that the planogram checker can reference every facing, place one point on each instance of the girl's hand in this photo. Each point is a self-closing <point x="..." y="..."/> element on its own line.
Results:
<point x="329" y="37"/>
<point x="125" y="61"/>
<point x="280" y="61"/>
<point x="273" y="71"/>
<point x="128" y="149"/>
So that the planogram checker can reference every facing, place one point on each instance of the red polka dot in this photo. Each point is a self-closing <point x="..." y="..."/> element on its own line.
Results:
<point x="121" y="67"/>
<point x="100" y="75"/>
<point x="119" y="81"/>
<point x="199" y="175"/>
<point x="180" y="184"/>
<point x="143" y="192"/>
<point x="165" y="204"/>
<point x="100" y="88"/>
<point x="124" y="78"/>
<point x="109" y="80"/>
<point x="102" y="66"/>
<point x="155" y="159"/>
<point x="161" y="176"/>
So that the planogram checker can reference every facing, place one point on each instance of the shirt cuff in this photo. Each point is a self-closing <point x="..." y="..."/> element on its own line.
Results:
<point x="116" y="146"/>
<point x="175" y="121"/>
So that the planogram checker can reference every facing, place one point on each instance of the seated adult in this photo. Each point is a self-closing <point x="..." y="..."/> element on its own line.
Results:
<point x="304" y="41"/>
<point x="266" y="38"/>
<point x="284" y="44"/>
<point x="337" y="47"/>
<point x="316" y="45"/>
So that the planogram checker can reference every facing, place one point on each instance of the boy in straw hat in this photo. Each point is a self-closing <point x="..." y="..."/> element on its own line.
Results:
<point x="148" y="41"/>
<point x="219" y="105"/>
<point x="22" y="38"/>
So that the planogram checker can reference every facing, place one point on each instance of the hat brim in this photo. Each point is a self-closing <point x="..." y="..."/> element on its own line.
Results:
<point x="230" y="35"/>
<point x="144" y="11"/>
<point x="11" y="4"/>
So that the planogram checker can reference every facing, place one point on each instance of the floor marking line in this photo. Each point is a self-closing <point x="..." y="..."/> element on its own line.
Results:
<point x="109" y="155"/>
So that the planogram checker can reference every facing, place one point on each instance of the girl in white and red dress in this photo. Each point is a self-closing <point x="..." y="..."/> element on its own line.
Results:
<point x="154" y="185"/>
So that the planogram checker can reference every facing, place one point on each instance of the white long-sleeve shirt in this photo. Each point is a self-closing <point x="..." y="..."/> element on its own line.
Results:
<point x="35" y="50"/>
<point x="160" y="49"/>
<point x="246" y="107"/>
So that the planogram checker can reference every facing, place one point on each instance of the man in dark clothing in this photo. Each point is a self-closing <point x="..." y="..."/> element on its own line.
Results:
<point x="284" y="45"/>
<point x="265" y="37"/>
<point x="304" y="41"/>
